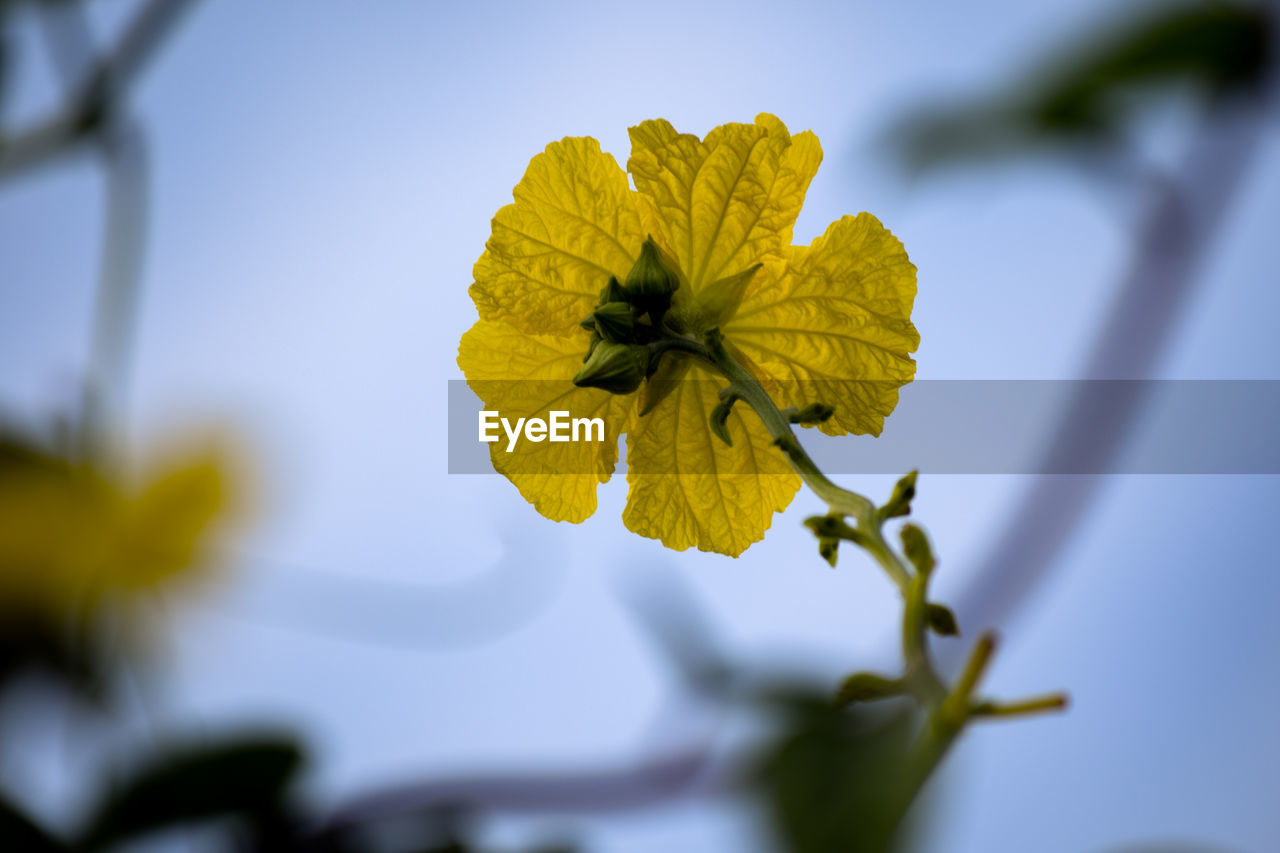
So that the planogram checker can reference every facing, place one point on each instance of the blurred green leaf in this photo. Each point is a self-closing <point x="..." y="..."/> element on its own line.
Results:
<point x="832" y="780"/>
<point x="1212" y="51"/>
<point x="248" y="777"/>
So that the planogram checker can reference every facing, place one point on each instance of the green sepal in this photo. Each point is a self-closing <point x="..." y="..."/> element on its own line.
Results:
<point x="719" y="300"/>
<point x="720" y="416"/>
<point x="663" y="378"/>
<point x="616" y="368"/>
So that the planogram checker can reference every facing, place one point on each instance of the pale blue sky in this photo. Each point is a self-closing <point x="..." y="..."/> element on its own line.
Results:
<point x="324" y="174"/>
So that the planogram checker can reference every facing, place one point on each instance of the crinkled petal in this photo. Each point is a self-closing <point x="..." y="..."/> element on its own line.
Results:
<point x="574" y="223"/>
<point x="730" y="201"/>
<point x="836" y="327"/>
<point x="688" y="489"/>
<point x="520" y="375"/>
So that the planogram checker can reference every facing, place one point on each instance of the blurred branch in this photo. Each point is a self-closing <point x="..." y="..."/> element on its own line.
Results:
<point x="683" y="639"/>
<point x="95" y="112"/>
<point x="120" y="269"/>
<point x="640" y="785"/>
<point x="1170" y="248"/>
<point x="95" y="96"/>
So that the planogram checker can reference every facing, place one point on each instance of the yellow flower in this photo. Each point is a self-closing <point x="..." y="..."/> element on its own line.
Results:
<point x="805" y="320"/>
<point x="74" y="534"/>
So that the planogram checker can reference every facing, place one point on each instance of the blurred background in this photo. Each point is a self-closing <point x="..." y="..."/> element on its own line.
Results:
<point x="250" y="228"/>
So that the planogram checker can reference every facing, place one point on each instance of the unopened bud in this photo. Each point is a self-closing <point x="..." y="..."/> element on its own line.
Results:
<point x="612" y="292"/>
<point x="814" y="413"/>
<point x="916" y="546"/>
<point x="941" y="620"/>
<point x="614" y="321"/>
<point x="650" y="282"/>
<point x="616" y="368"/>
<point x="900" y="501"/>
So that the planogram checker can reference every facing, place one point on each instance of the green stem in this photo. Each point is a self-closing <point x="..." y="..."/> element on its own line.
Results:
<point x="947" y="711"/>
<point x="921" y="678"/>
<point x="1052" y="702"/>
<point x="839" y="501"/>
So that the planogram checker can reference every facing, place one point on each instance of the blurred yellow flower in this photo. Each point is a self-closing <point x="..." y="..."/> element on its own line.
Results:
<point x="805" y="320"/>
<point x="72" y="534"/>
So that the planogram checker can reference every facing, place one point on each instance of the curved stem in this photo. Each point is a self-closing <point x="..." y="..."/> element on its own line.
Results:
<point x="947" y="710"/>
<point x="841" y="503"/>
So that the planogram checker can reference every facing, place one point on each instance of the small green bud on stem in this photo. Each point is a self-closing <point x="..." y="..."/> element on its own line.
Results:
<point x="650" y="284"/>
<point x="614" y="322"/>
<point x="612" y="292"/>
<point x="814" y="413"/>
<point x="900" y="501"/>
<point x="835" y="527"/>
<point x="616" y="368"/>
<point x="941" y="620"/>
<point x="916" y="546"/>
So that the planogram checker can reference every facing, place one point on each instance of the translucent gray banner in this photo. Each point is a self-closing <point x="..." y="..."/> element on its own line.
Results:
<point x="1002" y="427"/>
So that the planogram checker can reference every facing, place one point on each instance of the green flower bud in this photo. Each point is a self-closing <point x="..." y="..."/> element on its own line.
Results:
<point x="814" y="413"/>
<point x="900" y="501"/>
<point x="916" y="546"/>
<point x="595" y="340"/>
<point x="614" y="321"/>
<point x="941" y="620"/>
<point x="617" y="368"/>
<point x="829" y="549"/>
<point x="612" y="292"/>
<point x="650" y="282"/>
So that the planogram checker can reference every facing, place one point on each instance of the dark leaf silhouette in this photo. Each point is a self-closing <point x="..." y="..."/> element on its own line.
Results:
<point x="247" y="778"/>
<point x="1212" y="52"/>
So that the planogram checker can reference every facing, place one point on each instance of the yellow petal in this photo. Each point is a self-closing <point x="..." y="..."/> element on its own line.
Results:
<point x="836" y="326"/>
<point x="519" y="375"/>
<point x="164" y="528"/>
<point x="688" y="489"/>
<point x="730" y="201"/>
<point x="69" y="535"/>
<point x="575" y="222"/>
